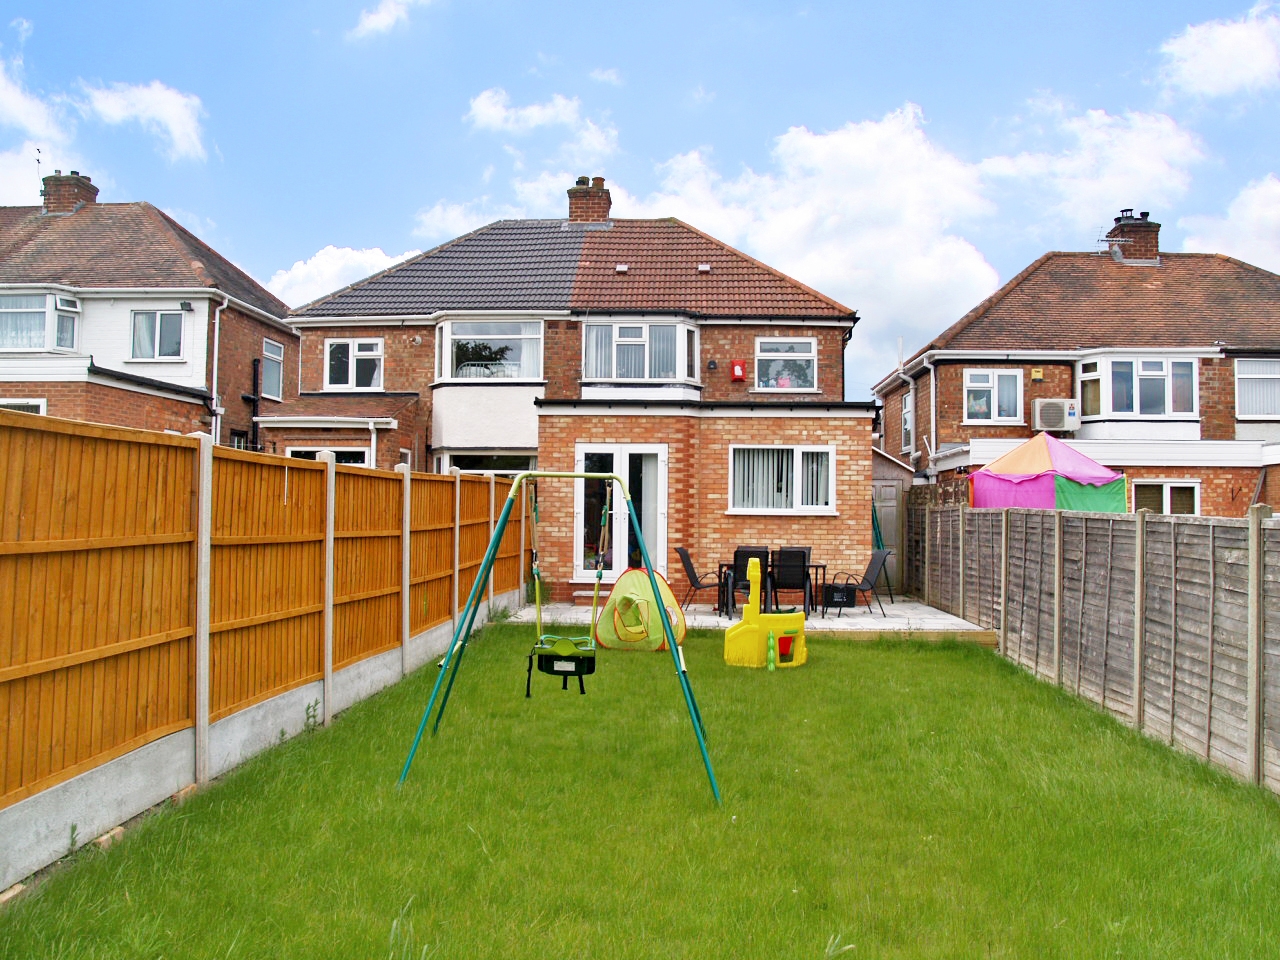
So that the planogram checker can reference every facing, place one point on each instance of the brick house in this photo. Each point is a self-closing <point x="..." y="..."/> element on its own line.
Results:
<point x="115" y="313"/>
<point x="1165" y="366"/>
<point x="645" y="348"/>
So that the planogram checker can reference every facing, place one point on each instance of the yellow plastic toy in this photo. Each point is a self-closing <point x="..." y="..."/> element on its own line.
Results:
<point x="764" y="639"/>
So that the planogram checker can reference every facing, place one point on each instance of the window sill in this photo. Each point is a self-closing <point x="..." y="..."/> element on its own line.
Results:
<point x="769" y="390"/>
<point x="156" y="360"/>
<point x="993" y="423"/>
<point x="343" y="388"/>
<point x="1153" y="418"/>
<point x="731" y="512"/>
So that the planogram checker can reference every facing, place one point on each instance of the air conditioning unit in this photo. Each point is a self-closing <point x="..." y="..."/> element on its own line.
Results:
<point x="1057" y="414"/>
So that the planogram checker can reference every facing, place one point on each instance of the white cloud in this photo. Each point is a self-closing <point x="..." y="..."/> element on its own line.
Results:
<point x="1223" y="57"/>
<point x="1110" y="162"/>
<point x="20" y="177"/>
<point x="865" y="214"/>
<point x="492" y="110"/>
<point x="332" y="268"/>
<point x="18" y="108"/>
<point x="607" y="76"/>
<point x="1250" y="231"/>
<point x="24" y="28"/>
<point x="170" y="114"/>
<point x="445" y="220"/>
<point x="383" y="17"/>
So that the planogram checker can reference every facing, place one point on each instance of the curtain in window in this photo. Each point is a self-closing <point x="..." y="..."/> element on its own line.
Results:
<point x="599" y="351"/>
<point x="815" y="490"/>
<point x="1007" y="401"/>
<point x="662" y="352"/>
<point x="762" y="478"/>
<point x="144" y="335"/>
<point x="21" y="330"/>
<point x="1259" y="397"/>
<point x="631" y="361"/>
<point x="1183" y="387"/>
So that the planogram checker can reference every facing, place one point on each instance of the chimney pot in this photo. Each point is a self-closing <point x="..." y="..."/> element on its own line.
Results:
<point x="584" y="181"/>
<point x="1140" y="236"/>
<point x="1145" y="214"/>
<point x="598" y="182"/>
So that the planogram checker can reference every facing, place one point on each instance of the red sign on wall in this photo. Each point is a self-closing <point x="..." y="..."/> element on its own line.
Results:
<point x="738" y="370"/>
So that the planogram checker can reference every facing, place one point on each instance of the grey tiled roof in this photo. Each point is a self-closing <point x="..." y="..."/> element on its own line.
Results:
<point x="508" y="265"/>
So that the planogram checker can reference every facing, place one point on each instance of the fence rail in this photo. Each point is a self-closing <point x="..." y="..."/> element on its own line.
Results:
<point x="1171" y="623"/>
<point x="108" y="618"/>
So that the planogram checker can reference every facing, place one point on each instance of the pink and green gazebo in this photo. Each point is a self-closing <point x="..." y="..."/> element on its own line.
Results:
<point x="1046" y="474"/>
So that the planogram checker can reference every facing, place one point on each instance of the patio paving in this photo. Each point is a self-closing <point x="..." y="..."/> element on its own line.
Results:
<point x="905" y="617"/>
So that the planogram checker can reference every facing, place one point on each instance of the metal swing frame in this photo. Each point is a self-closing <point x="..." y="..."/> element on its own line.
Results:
<point x="462" y="632"/>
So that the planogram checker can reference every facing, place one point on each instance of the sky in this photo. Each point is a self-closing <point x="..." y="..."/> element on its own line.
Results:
<point x="905" y="160"/>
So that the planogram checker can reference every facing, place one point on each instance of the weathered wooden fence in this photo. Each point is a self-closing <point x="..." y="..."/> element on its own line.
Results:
<point x="1169" y="622"/>
<point x="151" y="584"/>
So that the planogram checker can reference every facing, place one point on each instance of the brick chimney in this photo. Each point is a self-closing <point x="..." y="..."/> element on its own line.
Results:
<point x="67" y="194"/>
<point x="1142" y="236"/>
<point x="589" y="201"/>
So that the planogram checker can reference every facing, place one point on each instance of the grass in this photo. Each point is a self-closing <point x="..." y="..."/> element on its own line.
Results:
<point x="885" y="801"/>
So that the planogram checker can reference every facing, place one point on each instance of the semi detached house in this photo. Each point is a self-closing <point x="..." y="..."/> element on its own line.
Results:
<point x="712" y="383"/>
<point x="1165" y="366"/>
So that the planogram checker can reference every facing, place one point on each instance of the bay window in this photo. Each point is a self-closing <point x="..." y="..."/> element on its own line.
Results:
<point x="786" y="363"/>
<point x="993" y="396"/>
<point x="639" y="351"/>
<point x="491" y="349"/>
<point x="1258" y="389"/>
<point x="36" y="321"/>
<point x="353" y="364"/>
<point x="781" y="480"/>
<point x="1136" y="387"/>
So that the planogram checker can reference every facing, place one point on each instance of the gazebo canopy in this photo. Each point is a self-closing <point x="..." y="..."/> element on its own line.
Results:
<point x="1047" y="474"/>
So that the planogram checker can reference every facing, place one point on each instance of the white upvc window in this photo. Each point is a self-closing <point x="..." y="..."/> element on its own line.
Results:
<point x="24" y="404"/>
<point x="353" y="364"/>
<point x="771" y="480"/>
<point x="908" y="419"/>
<point x="272" y="385"/>
<point x="639" y="350"/>
<point x="1258" y="389"/>
<point x="992" y="396"/>
<point x="157" y="335"/>
<point x="1177" y="497"/>
<point x="38" y="321"/>
<point x="1138" y="387"/>
<point x="786" y="364"/>
<point x="489" y="349"/>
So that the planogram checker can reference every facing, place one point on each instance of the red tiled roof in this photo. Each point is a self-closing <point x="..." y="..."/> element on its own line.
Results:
<point x="662" y="258"/>
<point x="118" y="245"/>
<point x="1065" y="301"/>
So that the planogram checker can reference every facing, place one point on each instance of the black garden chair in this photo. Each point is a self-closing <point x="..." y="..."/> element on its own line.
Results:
<point x="789" y="570"/>
<point x="706" y="581"/>
<point x="841" y="593"/>
<point x="737" y="577"/>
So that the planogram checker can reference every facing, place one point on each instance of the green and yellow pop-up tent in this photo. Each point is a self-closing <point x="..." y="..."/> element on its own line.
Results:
<point x="630" y="618"/>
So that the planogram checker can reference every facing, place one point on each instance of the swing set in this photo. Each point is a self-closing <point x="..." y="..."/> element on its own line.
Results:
<point x="578" y="654"/>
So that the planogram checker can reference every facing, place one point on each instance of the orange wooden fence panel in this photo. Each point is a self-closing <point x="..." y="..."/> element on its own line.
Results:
<point x="473" y="532"/>
<point x="266" y="578"/>
<point x="97" y="553"/>
<point x="430" y="551"/>
<point x="366" y="589"/>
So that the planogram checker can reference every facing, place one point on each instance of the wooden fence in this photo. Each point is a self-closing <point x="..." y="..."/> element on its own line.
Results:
<point x="1169" y="622"/>
<point x="153" y="583"/>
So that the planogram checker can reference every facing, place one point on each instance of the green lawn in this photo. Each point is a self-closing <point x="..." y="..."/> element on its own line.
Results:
<point x="904" y="800"/>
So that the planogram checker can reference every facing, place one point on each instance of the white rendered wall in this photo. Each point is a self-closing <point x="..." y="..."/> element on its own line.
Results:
<point x="485" y="417"/>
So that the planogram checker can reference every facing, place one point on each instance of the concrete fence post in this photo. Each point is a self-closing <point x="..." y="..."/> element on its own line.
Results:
<point x="457" y="539"/>
<point x="1004" y="581"/>
<point x="960" y="577"/>
<point x="928" y="553"/>
<point x="203" y="570"/>
<point x="406" y="531"/>
<point x="1254" y="712"/>
<point x="330" y="503"/>
<point x="1057" y="597"/>
<point x="1139" y="614"/>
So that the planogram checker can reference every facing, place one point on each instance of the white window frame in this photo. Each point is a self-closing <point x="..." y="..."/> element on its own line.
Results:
<point x="1255" y="376"/>
<point x="1105" y="377"/>
<point x="908" y="421"/>
<point x="354" y="344"/>
<point x="970" y="382"/>
<point x="620" y="519"/>
<point x="812" y="357"/>
<point x="156" y="358"/>
<point x="683" y="343"/>
<point x="1165" y="483"/>
<point x="796" y="509"/>
<point x="445" y="339"/>
<point x="267" y="344"/>
<point x="43" y="404"/>
<point x="289" y="451"/>
<point x="53" y="308"/>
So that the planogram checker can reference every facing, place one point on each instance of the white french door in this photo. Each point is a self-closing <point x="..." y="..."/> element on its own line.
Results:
<point x="644" y="468"/>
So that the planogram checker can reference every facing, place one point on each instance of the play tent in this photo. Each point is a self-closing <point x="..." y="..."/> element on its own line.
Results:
<point x="630" y="619"/>
<point x="1046" y="474"/>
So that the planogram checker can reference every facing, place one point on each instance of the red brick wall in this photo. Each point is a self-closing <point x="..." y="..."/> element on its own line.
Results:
<point x="1217" y="398"/>
<point x="698" y="487"/>
<point x="730" y="342"/>
<point x="406" y="366"/>
<point x="562" y="359"/>
<point x="98" y="403"/>
<point x="1059" y="381"/>
<point x="241" y="337"/>
<point x="1224" y="491"/>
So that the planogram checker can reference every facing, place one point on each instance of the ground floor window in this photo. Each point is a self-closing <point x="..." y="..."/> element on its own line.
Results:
<point x="1167" y="496"/>
<point x="353" y="456"/>
<point x="781" y="479"/>
<point x="24" y="406"/>
<point x="491" y="462"/>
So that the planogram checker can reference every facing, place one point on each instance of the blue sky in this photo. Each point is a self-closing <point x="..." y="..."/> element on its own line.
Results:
<point x="903" y="160"/>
